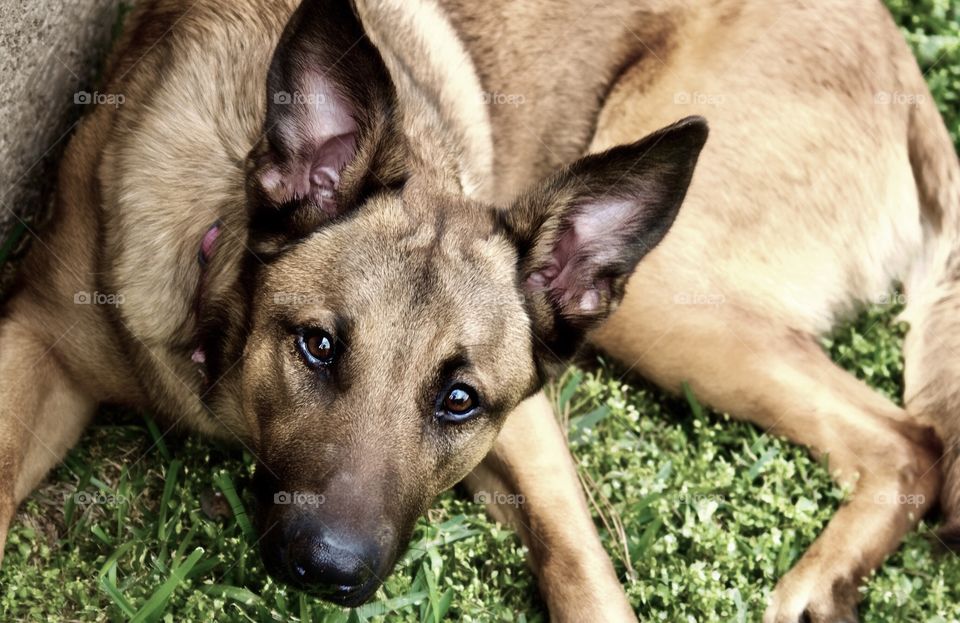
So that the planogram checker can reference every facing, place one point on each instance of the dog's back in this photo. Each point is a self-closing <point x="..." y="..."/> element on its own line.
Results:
<point x="806" y="206"/>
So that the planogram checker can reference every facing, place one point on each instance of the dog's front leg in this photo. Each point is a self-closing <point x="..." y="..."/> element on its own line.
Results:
<point x="529" y="481"/>
<point x="42" y="413"/>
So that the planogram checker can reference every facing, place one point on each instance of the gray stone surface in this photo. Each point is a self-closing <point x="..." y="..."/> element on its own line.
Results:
<point x="49" y="51"/>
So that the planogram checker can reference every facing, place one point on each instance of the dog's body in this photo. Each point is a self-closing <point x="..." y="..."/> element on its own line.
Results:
<point x="828" y="176"/>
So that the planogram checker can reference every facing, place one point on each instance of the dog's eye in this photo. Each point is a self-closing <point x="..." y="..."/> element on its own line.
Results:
<point x="459" y="403"/>
<point x="316" y="346"/>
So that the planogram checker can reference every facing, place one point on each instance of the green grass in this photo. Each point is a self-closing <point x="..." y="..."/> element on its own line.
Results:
<point x="714" y="511"/>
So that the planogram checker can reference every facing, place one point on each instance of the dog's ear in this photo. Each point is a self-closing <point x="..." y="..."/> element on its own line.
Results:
<point x="329" y="135"/>
<point x="581" y="233"/>
<point x="442" y="110"/>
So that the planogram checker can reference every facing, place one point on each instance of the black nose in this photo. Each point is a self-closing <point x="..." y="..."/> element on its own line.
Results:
<point x="339" y="568"/>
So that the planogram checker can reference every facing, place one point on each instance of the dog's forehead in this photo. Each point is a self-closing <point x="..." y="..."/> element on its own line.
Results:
<point x="406" y="251"/>
<point x="447" y="233"/>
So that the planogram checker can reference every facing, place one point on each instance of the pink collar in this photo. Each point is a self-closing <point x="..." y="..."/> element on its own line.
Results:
<point x="208" y="244"/>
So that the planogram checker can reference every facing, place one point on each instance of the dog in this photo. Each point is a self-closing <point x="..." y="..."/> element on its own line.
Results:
<point x="327" y="238"/>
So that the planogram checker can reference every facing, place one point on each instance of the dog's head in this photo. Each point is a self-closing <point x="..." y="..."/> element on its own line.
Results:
<point x="396" y="317"/>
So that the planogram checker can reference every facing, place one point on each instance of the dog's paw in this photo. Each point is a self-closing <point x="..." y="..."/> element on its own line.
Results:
<point x="811" y="597"/>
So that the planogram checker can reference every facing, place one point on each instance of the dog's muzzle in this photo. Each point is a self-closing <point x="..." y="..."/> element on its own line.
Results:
<point x="312" y="542"/>
<point x="341" y="570"/>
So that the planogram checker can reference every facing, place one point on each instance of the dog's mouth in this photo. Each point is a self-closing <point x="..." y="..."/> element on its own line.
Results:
<point x="349" y="596"/>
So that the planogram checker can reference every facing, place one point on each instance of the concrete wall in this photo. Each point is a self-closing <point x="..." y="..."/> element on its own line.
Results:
<point x="49" y="51"/>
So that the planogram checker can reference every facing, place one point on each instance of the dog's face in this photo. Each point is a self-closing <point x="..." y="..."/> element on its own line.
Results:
<point x="395" y="322"/>
<point x="384" y="352"/>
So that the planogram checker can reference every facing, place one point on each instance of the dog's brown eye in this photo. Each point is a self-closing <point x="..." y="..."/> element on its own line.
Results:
<point x="320" y="346"/>
<point x="459" y="403"/>
<point x="317" y="347"/>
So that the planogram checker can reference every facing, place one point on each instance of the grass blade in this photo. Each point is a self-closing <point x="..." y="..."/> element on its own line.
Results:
<point x="225" y="483"/>
<point x="163" y="593"/>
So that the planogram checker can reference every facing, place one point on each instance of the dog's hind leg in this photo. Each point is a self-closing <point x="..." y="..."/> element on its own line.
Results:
<point x="529" y="481"/>
<point x="932" y="347"/>
<point x="42" y="413"/>
<point x="932" y="387"/>
<point x="782" y="381"/>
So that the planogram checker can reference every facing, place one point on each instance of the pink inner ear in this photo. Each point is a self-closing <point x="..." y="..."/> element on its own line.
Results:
<point x="595" y="236"/>
<point x="318" y="128"/>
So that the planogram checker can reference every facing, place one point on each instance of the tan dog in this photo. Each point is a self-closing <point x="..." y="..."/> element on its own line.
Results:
<point x="366" y="317"/>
